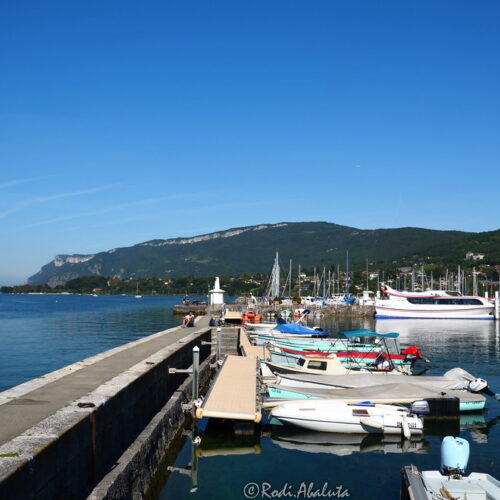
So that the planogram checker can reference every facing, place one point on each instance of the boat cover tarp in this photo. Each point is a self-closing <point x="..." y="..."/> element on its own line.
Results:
<point x="454" y="379"/>
<point x="367" y="333"/>
<point x="395" y="392"/>
<point x="297" y="329"/>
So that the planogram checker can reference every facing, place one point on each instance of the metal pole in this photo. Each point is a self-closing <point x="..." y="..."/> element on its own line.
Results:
<point x="219" y="344"/>
<point x="299" y="295"/>
<point x="367" y="278"/>
<point x="196" y="373"/>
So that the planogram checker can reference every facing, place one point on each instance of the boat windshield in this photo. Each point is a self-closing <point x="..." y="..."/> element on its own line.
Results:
<point x="317" y="365"/>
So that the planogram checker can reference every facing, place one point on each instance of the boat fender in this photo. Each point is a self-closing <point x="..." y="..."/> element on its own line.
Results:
<point x="405" y="427"/>
<point x="372" y="424"/>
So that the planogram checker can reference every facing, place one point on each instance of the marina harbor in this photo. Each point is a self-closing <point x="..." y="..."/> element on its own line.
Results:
<point x="254" y="377"/>
<point x="250" y="250"/>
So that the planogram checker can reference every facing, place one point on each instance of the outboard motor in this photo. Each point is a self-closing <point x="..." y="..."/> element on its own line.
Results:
<point x="481" y="385"/>
<point x="454" y="456"/>
<point x="420" y="408"/>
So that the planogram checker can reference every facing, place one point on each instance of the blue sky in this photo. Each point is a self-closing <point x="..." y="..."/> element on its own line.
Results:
<point x="125" y="121"/>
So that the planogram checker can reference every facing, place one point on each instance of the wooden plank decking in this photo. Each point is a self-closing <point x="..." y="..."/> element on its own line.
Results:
<point x="233" y="394"/>
<point x="247" y="349"/>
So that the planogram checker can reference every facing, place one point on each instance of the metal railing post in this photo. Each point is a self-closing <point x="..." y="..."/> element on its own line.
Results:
<point x="196" y="372"/>
<point x="219" y="344"/>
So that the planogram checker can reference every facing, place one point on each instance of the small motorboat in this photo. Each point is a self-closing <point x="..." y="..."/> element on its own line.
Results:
<point x="455" y="379"/>
<point x="395" y="393"/>
<point x="449" y="482"/>
<point x="325" y="415"/>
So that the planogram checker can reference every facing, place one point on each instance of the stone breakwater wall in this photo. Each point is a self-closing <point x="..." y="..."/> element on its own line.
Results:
<point x="107" y="443"/>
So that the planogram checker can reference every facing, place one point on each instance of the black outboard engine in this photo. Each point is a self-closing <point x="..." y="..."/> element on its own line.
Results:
<point x="481" y="385"/>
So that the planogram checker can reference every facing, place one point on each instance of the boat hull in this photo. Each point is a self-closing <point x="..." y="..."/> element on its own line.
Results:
<point x="445" y="313"/>
<point x="328" y="416"/>
<point x="468" y="402"/>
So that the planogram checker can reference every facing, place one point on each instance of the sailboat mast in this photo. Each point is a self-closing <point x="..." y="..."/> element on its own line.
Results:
<point x="299" y="282"/>
<point x="347" y="273"/>
<point x="275" y="284"/>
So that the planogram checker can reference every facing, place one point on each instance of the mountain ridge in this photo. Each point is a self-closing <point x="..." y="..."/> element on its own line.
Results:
<point x="251" y="249"/>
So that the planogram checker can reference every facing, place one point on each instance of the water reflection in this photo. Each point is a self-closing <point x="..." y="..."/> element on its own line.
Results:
<point x="227" y="441"/>
<point x="344" y="444"/>
<point x="431" y="327"/>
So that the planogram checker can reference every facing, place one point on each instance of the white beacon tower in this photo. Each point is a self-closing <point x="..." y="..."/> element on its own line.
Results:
<point x="217" y="294"/>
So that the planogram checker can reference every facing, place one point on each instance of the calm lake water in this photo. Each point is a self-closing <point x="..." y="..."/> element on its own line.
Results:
<point x="41" y="333"/>
<point x="290" y="461"/>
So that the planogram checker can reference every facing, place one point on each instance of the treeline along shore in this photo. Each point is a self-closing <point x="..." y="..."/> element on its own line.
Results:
<point x="469" y="277"/>
<point x="233" y="285"/>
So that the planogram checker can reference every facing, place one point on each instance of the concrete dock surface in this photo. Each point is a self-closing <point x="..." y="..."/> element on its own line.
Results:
<point x="28" y="404"/>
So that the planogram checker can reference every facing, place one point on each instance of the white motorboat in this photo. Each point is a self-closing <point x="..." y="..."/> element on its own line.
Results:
<point x="390" y="393"/>
<point x="435" y="304"/>
<point x="324" y="366"/>
<point x="450" y="482"/>
<point x="454" y="379"/>
<point x="325" y="415"/>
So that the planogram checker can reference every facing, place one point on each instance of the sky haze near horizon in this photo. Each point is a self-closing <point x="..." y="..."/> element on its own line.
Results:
<point x="122" y="122"/>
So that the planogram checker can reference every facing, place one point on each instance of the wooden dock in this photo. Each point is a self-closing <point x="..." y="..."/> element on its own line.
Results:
<point x="248" y="349"/>
<point x="234" y="393"/>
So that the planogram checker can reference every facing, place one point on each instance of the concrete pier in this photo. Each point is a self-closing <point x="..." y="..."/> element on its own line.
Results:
<point x="60" y="435"/>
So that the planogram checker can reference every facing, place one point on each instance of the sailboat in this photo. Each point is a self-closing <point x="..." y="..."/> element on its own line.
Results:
<point x="137" y="296"/>
<point x="273" y="286"/>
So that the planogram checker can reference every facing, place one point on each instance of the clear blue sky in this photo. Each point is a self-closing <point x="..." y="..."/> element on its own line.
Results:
<point x="124" y="121"/>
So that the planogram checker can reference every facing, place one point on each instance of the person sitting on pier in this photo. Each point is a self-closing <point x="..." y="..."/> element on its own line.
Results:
<point x="188" y="319"/>
<point x="185" y="301"/>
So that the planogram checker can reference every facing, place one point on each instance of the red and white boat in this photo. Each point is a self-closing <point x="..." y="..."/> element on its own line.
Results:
<point x="435" y="304"/>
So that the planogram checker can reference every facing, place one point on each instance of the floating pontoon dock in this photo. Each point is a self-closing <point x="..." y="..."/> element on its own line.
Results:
<point x="234" y="394"/>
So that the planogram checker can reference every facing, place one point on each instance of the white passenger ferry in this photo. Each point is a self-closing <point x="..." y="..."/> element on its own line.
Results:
<point x="432" y="304"/>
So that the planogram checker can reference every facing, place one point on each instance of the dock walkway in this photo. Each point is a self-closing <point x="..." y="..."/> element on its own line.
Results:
<point x="233" y="394"/>
<point x="248" y="349"/>
<point x="25" y="405"/>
